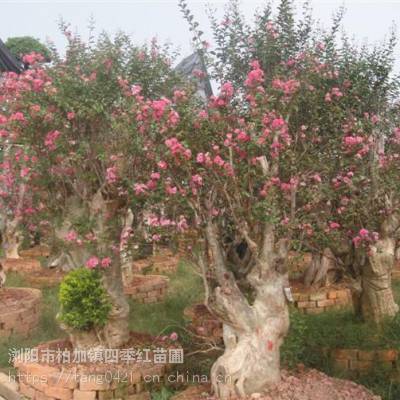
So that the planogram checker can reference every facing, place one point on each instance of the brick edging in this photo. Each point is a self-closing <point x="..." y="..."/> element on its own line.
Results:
<point x="25" y="318"/>
<point x="323" y="300"/>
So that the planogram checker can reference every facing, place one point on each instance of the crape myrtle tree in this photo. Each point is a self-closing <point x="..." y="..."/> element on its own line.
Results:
<point x="87" y="153"/>
<point x="346" y="111"/>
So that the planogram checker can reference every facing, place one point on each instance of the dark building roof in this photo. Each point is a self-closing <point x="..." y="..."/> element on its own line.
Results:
<point x="186" y="68"/>
<point x="8" y="63"/>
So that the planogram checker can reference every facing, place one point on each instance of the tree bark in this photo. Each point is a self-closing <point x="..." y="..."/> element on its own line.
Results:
<point x="377" y="301"/>
<point x="115" y="334"/>
<point x="322" y="270"/>
<point x="252" y="333"/>
<point x="11" y="242"/>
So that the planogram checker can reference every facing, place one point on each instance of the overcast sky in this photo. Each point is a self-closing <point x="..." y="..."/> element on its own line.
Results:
<point x="365" y="20"/>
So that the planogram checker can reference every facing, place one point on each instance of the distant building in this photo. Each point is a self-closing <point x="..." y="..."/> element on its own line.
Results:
<point x="8" y="63"/>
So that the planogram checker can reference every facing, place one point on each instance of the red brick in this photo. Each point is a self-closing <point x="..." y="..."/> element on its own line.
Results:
<point x="358" y="365"/>
<point x="317" y="296"/>
<point x="306" y="304"/>
<point x="39" y="395"/>
<point x="67" y="380"/>
<point x="58" y="392"/>
<point x="332" y="294"/>
<point x="387" y="355"/>
<point x="84" y="395"/>
<point x="325" y="303"/>
<point x="345" y="354"/>
<point x="365" y="355"/>
<point x="341" y="365"/>
<point x="26" y="390"/>
<point x="93" y="382"/>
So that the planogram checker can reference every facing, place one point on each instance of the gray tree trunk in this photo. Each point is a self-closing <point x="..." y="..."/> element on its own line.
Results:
<point x="253" y="333"/>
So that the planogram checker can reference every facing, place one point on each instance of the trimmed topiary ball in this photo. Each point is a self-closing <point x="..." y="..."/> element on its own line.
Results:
<point x="83" y="299"/>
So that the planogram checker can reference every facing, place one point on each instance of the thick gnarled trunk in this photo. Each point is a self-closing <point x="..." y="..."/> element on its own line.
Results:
<point x="11" y="238"/>
<point x="251" y="360"/>
<point x="253" y="331"/>
<point x="115" y="334"/>
<point x="322" y="270"/>
<point x="377" y="301"/>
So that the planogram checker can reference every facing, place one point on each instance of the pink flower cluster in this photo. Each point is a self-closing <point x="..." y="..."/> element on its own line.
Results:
<point x="94" y="262"/>
<point x="50" y="140"/>
<point x="365" y="236"/>
<point x="288" y="87"/>
<point x="177" y="148"/>
<point x="255" y="76"/>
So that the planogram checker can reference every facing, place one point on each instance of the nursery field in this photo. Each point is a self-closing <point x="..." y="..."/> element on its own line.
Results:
<point x="307" y="344"/>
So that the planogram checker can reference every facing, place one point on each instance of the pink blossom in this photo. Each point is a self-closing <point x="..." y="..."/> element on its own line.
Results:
<point x="70" y="116"/>
<point x="317" y="178"/>
<point x="18" y="116"/>
<point x="139" y="188"/>
<point x="171" y="190"/>
<point x="219" y="161"/>
<point x="25" y="171"/>
<point x="106" y="262"/>
<point x="197" y="180"/>
<point x="111" y="175"/>
<point x="356" y="241"/>
<point x="364" y="232"/>
<point x="334" y="225"/>
<point x="255" y="76"/>
<point x="173" y="118"/>
<point x="159" y="107"/>
<point x="156" y="237"/>
<point x="200" y="158"/>
<point x="227" y="89"/>
<point x="182" y="224"/>
<point x="162" y="165"/>
<point x="352" y="140"/>
<point x="92" y="262"/>
<point x="173" y="336"/>
<point x="155" y="176"/>
<point x="136" y="89"/>
<point x="50" y="139"/>
<point x="71" y="236"/>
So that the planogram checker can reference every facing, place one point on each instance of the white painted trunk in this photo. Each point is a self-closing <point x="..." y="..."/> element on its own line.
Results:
<point x="251" y="360"/>
<point x="11" y="241"/>
<point x="377" y="301"/>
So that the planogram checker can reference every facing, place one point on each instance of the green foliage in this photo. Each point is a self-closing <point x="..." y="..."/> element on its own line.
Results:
<point x="163" y="394"/>
<point x="19" y="46"/>
<point x="310" y="334"/>
<point x="83" y="300"/>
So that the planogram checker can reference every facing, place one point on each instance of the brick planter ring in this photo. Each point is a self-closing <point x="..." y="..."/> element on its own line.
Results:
<point x="358" y="362"/>
<point x="21" y="265"/>
<point x="19" y="311"/>
<point x="165" y="262"/>
<point x="323" y="300"/>
<point x="147" y="288"/>
<point x="203" y="323"/>
<point x="84" y="381"/>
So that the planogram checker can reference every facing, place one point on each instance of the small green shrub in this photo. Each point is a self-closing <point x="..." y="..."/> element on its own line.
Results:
<point x="84" y="301"/>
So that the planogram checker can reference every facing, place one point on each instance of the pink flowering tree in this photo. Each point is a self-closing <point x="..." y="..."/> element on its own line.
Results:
<point x="222" y="166"/>
<point x="87" y="154"/>
<point x="344" y="124"/>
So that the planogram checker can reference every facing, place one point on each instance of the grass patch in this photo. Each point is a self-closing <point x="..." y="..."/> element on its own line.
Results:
<point x="48" y="328"/>
<point x="342" y="329"/>
<point x="185" y="288"/>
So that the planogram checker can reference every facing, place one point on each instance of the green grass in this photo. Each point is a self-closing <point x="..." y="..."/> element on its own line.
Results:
<point x="185" y="288"/>
<point x="308" y="333"/>
<point x="48" y="328"/>
<point x="342" y="329"/>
